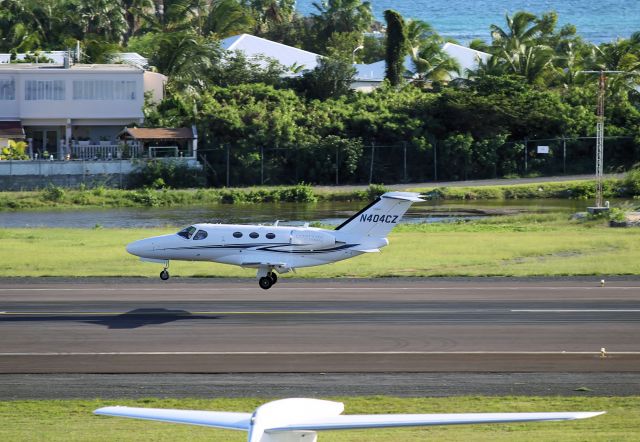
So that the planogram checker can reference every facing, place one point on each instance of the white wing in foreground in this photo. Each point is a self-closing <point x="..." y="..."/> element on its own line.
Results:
<point x="217" y="419"/>
<point x="298" y="419"/>
<point x="345" y="422"/>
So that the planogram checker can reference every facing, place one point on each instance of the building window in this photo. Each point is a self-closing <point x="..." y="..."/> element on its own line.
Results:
<point x="7" y="89"/>
<point x="41" y="90"/>
<point x="104" y="90"/>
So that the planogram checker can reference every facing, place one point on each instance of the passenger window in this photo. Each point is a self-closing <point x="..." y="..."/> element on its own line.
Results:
<point x="270" y="235"/>
<point x="188" y="232"/>
<point x="254" y="235"/>
<point x="200" y="235"/>
<point x="237" y="234"/>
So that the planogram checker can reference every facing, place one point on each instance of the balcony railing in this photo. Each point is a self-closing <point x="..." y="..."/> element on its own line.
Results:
<point x="83" y="151"/>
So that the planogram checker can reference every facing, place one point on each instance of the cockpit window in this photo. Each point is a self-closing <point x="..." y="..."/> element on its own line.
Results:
<point x="188" y="232"/>
<point x="200" y="235"/>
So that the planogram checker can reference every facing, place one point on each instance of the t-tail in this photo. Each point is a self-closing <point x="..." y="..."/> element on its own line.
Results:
<point x="381" y="216"/>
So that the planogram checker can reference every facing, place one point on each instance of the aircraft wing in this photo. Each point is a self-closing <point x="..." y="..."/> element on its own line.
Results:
<point x="345" y="422"/>
<point x="217" y="419"/>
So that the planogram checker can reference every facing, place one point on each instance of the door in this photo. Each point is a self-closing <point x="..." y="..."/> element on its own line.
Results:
<point x="45" y="142"/>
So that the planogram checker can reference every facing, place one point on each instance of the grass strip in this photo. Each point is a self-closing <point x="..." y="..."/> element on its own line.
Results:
<point x="59" y="198"/>
<point x="71" y="420"/>
<point x="528" y="245"/>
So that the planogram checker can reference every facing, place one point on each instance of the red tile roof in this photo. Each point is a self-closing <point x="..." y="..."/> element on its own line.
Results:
<point x="158" y="133"/>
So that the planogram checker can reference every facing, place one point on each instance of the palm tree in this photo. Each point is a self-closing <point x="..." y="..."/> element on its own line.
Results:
<point x="225" y="18"/>
<point x="432" y="63"/>
<point x="522" y="28"/>
<point x="418" y="32"/>
<point x="134" y="12"/>
<point x="105" y="18"/>
<point x="342" y="16"/>
<point x="516" y="49"/>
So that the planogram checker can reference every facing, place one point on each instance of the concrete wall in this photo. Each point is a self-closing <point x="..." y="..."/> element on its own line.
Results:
<point x="28" y="175"/>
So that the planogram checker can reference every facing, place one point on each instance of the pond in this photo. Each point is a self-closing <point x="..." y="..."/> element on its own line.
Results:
<point x="330" y="213"/>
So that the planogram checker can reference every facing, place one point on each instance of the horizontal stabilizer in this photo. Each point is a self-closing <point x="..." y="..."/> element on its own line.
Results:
<point x="345" y="422"/>
<point x="216" y="419"/>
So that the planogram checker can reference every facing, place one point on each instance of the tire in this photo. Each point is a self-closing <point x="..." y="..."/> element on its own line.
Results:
<point x="274" y="278"/>
<point x="164" y="275"/>
<point x="265" y="283"/>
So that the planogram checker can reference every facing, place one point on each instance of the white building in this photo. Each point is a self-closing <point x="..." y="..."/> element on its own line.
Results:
<point x="368" y="76"/>
<point x="62" y="109"/>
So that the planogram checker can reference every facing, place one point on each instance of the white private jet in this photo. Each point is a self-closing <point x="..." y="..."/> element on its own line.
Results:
<point x="298" y="420"/>
<point x="275" y="248"/>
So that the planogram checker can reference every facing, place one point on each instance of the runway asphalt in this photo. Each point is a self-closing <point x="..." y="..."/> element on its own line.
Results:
<point x="311" y="326"/>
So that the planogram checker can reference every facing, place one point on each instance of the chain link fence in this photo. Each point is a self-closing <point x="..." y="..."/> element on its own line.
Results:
<point x="439" y="160"/>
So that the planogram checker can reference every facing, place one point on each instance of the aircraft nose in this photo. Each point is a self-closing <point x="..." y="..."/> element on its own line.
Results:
<point x="139" y="248"/>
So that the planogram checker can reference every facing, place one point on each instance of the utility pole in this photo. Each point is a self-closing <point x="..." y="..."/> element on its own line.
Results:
<point x="602" y="88"/>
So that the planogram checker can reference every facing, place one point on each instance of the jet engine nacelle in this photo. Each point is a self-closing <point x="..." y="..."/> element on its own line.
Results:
<point x="312" y="239"/>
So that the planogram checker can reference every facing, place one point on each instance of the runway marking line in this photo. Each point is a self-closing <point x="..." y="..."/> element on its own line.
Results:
<point x="540" y="310"/>
<point x="214" y="289"/>
<point x="312" y="312"/>
<point x="311" y="353"/>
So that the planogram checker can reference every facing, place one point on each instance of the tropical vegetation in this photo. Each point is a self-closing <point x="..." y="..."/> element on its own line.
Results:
<point x="261" y="123"/>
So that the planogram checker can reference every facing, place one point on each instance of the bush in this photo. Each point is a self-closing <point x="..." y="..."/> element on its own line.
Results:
<point x="161" y="174"/>
<point x="301" y="193"/>
<point x="53" y="193"/>
<point x="631" y="181"/>
<point x="146" y="197"/>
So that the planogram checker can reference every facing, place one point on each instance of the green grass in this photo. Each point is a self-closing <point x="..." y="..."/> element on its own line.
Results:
<point x="59" y="198"/>
<point x="523" y="245"/>
<point x="584" y="189"/>
<point x="71" y="420"/>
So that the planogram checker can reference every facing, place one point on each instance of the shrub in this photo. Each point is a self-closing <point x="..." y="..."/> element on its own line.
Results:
<point x="146" y="197"/>
<point x="301" y="193"/>
<point x="53" y="193"/>
<point x="161" y="174"/>
<point x="632" y="181"/>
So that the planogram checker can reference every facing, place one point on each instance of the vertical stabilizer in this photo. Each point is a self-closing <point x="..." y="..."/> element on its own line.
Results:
<point x="381" y="216"/>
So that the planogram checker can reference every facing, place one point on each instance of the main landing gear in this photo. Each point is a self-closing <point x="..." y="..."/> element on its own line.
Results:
<point x="267" y="281"/>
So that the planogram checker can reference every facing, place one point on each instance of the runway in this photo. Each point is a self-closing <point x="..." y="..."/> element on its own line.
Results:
<point x="312" y="326"/>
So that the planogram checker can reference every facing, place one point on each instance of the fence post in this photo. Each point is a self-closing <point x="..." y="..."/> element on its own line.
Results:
<point x="526" y="152"/>
<point x="337" y="166"/>
<point x="373" y="153"/>
<point x="435" y="160"/>
<point x="404" y="152"/>
<point x="228" y="154"/>
<point x="262" y="165"/>
<point x="564" y="155"/>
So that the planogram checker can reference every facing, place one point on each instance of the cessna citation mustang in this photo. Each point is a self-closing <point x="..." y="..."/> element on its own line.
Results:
<point x="281" y="249"/>
<point x="298" y="420"/>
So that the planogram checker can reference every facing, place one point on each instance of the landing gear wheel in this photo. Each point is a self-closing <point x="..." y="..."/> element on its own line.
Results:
<point x="164" y="275"/>
<point x="274" y="277"/>
<point x="265" y="283"/>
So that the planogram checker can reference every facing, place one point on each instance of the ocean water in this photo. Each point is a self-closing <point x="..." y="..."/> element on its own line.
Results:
<point x="596" y="20"/>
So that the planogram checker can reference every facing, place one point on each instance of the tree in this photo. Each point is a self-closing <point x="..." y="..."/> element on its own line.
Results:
<point x="396" y="46"/>
<point x="331" y="78"/>
<point x="339" y="16"/>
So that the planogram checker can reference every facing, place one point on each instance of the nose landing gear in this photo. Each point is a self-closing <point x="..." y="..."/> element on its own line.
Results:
<point x="164" y="274"/>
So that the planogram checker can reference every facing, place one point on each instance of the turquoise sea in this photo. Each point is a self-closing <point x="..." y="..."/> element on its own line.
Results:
<point x="596" y="20"/>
